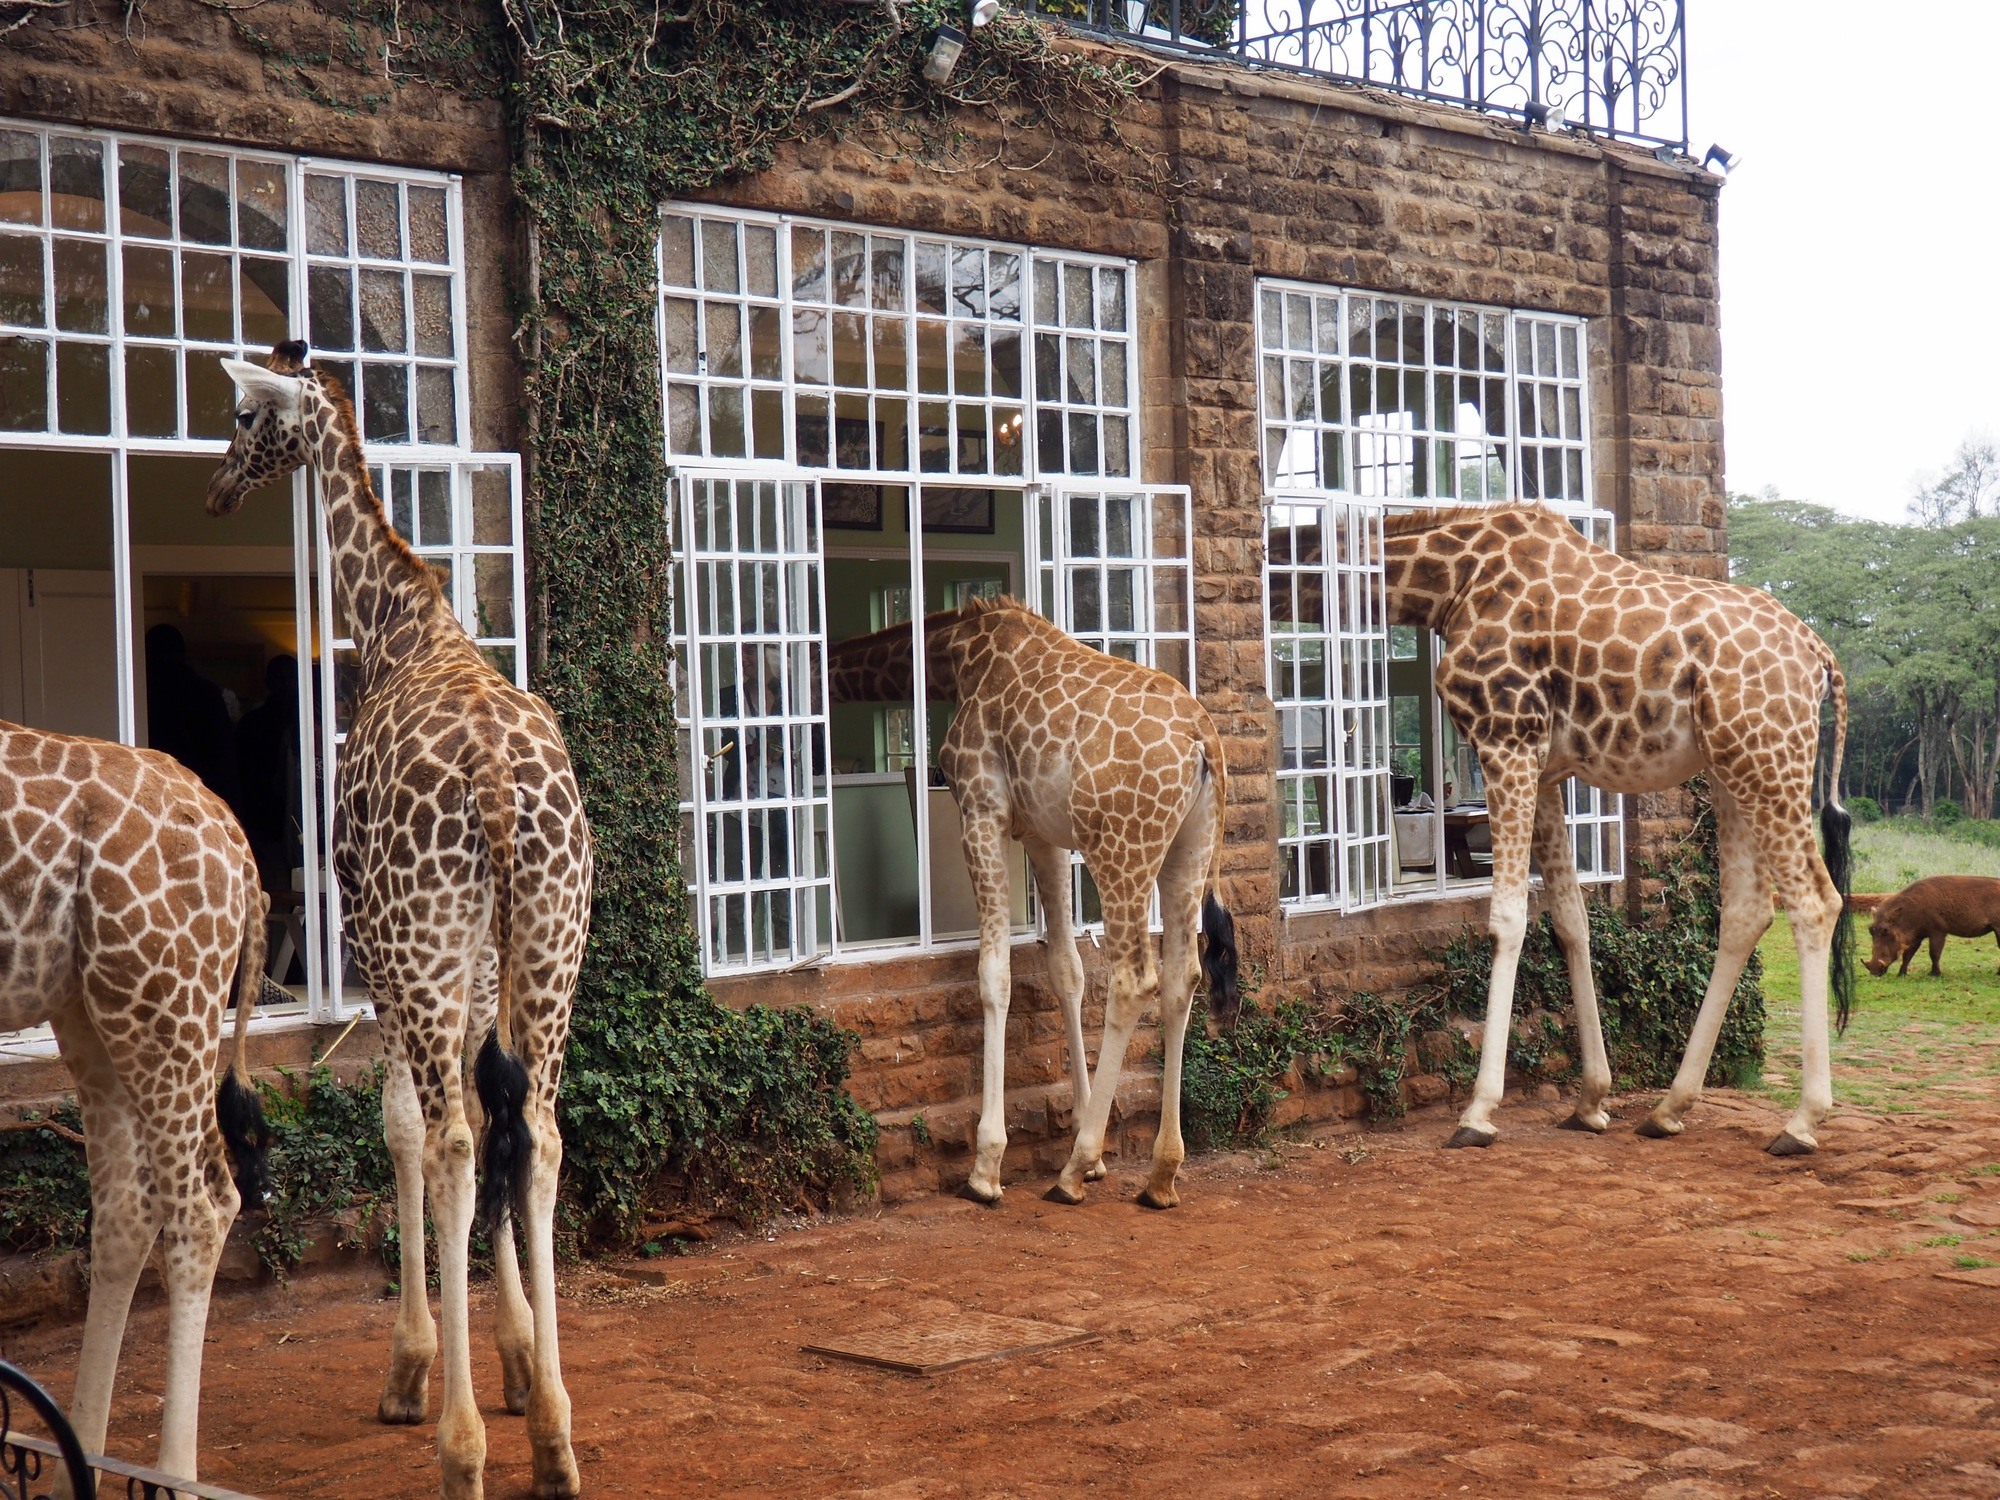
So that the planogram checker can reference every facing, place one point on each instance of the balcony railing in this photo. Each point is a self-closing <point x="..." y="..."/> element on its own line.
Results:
<point x="1612" y="67"/>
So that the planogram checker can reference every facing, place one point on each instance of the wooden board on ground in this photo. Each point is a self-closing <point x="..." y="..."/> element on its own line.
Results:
<point x="963" y="1338"/>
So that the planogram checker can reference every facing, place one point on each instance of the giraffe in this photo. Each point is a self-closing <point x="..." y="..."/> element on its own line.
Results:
<point x="1561" y="658"/>
<point x="129" y="911"/>
<point x="1063" y="747"/>
<point x="464" y="864"/>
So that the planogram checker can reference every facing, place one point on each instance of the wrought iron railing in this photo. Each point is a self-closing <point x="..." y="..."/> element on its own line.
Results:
<point x="30" y="1466"/>
<point x="1612" y="67"/>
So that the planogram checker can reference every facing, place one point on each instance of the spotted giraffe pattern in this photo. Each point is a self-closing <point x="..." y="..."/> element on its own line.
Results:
<point x="1560" y="658"/>
<point x="129" y="904"/>
<point x="1065" y="748"/>
<point x="464" y="864"/>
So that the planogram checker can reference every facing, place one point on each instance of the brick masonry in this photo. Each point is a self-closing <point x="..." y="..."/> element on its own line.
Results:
<point x="1277" y="176"/>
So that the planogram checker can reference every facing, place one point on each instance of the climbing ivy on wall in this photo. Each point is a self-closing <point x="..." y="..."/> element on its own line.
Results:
<point x="618" y="107"/>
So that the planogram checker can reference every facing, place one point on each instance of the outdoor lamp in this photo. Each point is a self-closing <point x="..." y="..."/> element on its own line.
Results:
<point x="1719" y="156"/>
<point x="945" y="47"/>
<point x="983" y="11"/>
<point x="1548" y="116"/>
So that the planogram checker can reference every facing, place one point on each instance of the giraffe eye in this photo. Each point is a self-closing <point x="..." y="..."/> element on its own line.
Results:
<point x="245" y="418"/>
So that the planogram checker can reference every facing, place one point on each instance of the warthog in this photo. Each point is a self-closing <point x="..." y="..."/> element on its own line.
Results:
<point x="1930" y="910"/>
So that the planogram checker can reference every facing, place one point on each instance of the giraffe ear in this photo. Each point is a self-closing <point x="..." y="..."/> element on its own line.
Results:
<point x="264" y="387"/>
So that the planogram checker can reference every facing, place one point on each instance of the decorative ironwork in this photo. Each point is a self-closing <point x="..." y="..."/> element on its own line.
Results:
<point x="29" y="1466"/>
<point x="1612" y="67"/>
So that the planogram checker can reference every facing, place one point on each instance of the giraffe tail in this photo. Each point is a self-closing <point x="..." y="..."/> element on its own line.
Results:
<point x="1219" y="962"/>
<point x="1835" y="828"/>
<point x="239" y="1113"/>
<point x="498" y="1073"/>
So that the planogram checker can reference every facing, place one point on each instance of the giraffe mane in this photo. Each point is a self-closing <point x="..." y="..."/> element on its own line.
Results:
<point x="1412" y="522"/>
<point x="343" y="417"/>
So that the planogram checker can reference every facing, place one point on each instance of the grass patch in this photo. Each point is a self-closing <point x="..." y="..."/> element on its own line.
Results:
<point x="1942" y="1240"/>
<point x="1890" y="854"/>
<point x="1971" y="1262"/>
<point x="1915" y="1045"/>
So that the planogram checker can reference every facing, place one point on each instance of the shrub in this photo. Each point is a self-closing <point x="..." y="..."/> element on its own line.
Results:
<point x="1946" y="812"/>
<point x="1864" y="809"/>
<point x="1231" y="1082"/>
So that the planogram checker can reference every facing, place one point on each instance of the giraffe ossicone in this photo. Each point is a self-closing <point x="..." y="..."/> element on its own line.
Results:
<point x="1560" y="658"/>
<point x="464" y="865"/>
<point x="1063" y="748"/>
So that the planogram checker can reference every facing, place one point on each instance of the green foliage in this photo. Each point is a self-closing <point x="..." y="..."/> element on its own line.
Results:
<point x="1383" y="1036"/>
<point x="1864" y="809"/>
<point x="328" y="1162"/>
<point x="1232" y="1081"/>
<point x="1651" y="972"/>
<point x="44" y="1189"/>
<point x="1946" y="812"/>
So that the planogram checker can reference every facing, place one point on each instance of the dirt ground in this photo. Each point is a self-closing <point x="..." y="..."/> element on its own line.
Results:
<point x="1368" y="1315"/>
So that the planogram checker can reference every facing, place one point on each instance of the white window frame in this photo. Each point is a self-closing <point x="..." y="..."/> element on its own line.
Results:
<point x="1295" y="430"/>
<point x="1077" y="403"/>
<point x="312" y="586"/>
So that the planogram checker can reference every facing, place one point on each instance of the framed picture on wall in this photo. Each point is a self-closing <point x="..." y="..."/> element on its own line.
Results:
<point x="850" y="443"/>
<point x="851" y="507"/>
<point x="958" y="512"/>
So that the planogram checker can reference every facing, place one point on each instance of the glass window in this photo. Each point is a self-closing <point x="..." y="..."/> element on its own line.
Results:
<point x="1368" y="401"/>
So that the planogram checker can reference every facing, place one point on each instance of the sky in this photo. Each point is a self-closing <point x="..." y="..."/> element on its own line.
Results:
<point x="1860" y="238"/>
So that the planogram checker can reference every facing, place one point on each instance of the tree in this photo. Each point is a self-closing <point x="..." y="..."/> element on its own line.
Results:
<point x="1969" y="489"/>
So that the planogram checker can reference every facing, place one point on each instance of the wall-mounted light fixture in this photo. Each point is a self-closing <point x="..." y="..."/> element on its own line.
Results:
<point x="983" y="11"/>
<point x="946" y="43"/>
<point x="1718" y="156"/>
<point x="1546" y="116"/>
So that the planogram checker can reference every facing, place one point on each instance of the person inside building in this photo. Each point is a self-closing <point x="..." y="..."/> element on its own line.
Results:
<point x="186" y="715"/>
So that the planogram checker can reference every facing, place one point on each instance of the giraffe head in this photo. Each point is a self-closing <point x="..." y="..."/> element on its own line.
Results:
<point x="273" y="402"/>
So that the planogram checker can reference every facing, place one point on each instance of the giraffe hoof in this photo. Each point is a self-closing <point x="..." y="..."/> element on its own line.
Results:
<point x="1578" y="1122"/>
<point x="1061" y="1194"/>
<point x="1657" y="1130"/>
<point x="1471" y="1135"/>
<point x="400" y="1411"/>
<point x="561" y="1481"/>
<point x="1150" y="1199"/>
<point x="974" y="1194"/>
<point x="1788" y="1144"/>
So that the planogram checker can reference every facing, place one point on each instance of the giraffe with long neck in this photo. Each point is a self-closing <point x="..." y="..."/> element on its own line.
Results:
<point x="129" y="912"/>
<point x="1065" y="748"/>
<point x="464" y="865"/>
<point x="1560" y="658"/>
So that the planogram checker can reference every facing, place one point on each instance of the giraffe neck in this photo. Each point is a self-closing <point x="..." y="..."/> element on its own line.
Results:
<point x="877" y="668"/>
<point x="391" y="600"/>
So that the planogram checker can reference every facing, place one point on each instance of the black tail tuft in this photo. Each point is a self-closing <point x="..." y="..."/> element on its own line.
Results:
<point x="240" y="1115"/>
<point x="1834" y="827"/>
<point x="1218" y="960"/>
<point x="510" y="1146"/>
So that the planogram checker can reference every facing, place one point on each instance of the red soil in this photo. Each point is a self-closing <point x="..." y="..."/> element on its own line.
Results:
<point x="1559" y="1314"/>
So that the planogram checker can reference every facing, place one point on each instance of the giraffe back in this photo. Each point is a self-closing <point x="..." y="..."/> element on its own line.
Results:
<point x="124" y="883"/>
<point x="1082" y="748"/>
<point x="1637" y="678"/>
<point x="410" y="848"/>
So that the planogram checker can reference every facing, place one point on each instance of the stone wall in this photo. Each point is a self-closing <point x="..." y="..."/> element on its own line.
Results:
<point x="1274" y="175"/>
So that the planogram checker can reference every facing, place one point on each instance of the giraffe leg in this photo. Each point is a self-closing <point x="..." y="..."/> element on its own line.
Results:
<point x="448" y="1180"/>
<point x="1183" y="879"/>
<point x="1746" y="915"/>
<point x="1511" y="788"/>
<point x="1572" y="924"/>
<point x="985" y="841"/>
<point x="414" y="1344"/>
<point x="1790" y="853"/>
<point x="1052" y="880"/>
<point x="196" y="1224"/>
<point x="548" y="1401"/>
<point x="1135" y="982"/>
<point x="123" y="1218"/>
